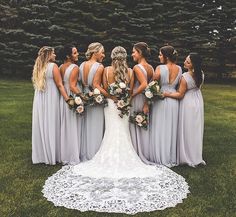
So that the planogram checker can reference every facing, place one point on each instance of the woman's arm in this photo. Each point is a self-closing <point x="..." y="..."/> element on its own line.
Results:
<point x="157" y="74"/>
<point x="142" y="80"/>
<point x="58" y="81"/>
<point x="97" y="80"/>
<point x="131" y="83"/>
<point x="73" y="81"/>
<point x="180" y="92"/>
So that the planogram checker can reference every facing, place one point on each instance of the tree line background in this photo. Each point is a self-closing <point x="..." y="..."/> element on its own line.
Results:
<point x="204" y="26"/>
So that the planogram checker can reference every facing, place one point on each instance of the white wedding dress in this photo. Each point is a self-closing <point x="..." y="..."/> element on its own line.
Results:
<point x="115" y="180"/>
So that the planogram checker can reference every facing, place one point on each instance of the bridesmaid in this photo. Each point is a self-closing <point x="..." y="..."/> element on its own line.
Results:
<point x="47" y="80"/>
<point x="93" y="120"/>
<point x="164" y="114"/>
<point x="70" y="126"/>
<point x="143" y="72"/>
<point x="191" y="114"/>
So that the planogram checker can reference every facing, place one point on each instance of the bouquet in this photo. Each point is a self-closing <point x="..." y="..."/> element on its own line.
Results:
<point x="121" y="91"/>
<point x="140" y="119"/>
<point x="78" y="105"/>
<point x="152" y="91"/>
<point x="95" y="97"/>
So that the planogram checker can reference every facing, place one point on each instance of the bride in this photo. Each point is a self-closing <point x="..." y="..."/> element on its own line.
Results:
<point x="115" y="179"/>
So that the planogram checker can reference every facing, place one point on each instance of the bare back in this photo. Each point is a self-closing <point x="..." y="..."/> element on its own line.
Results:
<point x="149" y="69"/>
<point x="173" y="72"/>
<point x="86" y="69"/>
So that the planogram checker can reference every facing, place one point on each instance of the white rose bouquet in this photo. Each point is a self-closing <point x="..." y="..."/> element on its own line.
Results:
<point x="140" y="119"/>
<point x="121" y="91"/>
<point x="99" y="98"/>
<point x="79" y="105"/>
<point x="152" y="91"/>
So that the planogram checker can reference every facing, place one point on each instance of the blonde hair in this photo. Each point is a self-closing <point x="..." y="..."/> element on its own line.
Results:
<point x="93" y="48"/>
<point x="40" y="66"/>
<point x="119" y="64"/>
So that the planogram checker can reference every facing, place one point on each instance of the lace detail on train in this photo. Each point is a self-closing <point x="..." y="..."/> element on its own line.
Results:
<point x="115" y="180"/>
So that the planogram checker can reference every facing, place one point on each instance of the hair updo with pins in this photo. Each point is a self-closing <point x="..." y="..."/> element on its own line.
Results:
<point x="169" y="53"/>
<point x="119" y="64"/>
<point x="94" y="47"/>
<point x="143" y="49"/>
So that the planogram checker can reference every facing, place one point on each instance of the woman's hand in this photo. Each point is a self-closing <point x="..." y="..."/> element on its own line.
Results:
<point x="166" y="94"/>
<point x="114" y="98"/>
<point x="71" y="102"/>
<point x="145" y="109"/>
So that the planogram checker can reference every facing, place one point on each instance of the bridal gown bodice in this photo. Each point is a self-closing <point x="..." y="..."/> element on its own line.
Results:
<point x="115" y="179"/>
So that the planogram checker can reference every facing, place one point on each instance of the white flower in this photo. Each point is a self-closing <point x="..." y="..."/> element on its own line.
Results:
<point x="121" y="103"/>
<point x="122" y="85"/>
<point x="158" y="88"/>
<point x="151" y="83"/>
<point x="78" y="100"/>
<point x="139" y="119"/>
<point x="99" y="99"/>
<point x="118" y="90"/>
<point x="139" y="124"/>
<point x="80" y="109"/>
<point x="148" y="94"/>
<point x="96" y="91"/>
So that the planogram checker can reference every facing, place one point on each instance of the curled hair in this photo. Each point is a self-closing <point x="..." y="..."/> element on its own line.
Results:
<point x="40" y="66"/>
<point x="93" y="48"/>
<point x="143" y="49"/>
<point x="169" y="53"/>
<point x="119" y="64"/>
<point x="196" y="61"/>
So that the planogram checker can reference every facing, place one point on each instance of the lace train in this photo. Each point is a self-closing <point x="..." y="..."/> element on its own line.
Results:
<point x="125" y="195"/>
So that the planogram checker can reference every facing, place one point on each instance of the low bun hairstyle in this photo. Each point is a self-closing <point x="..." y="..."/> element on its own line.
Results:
<point x="93" y="48"/>
<point x="169" y="53"/>
<point x="196" y="61"/>
<point x="66" y="52"/>
<point x="143" y="49"/>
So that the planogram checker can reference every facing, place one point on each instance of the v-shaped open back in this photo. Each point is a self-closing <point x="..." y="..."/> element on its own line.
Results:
<point x="90" y="75"/>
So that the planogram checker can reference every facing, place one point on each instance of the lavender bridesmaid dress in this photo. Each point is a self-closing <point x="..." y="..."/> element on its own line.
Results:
<point x="70" y="127"/>
<point x="139" y="136"/>
<point x="93" y="120"/>
<point x="46" y="122"/>
<point x="190" y="125"/>
<point x="164" y="120"/>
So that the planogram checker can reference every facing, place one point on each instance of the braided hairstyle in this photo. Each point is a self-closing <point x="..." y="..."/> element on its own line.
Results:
<point x="40" y="66"/>
<point x="119" y="64"/>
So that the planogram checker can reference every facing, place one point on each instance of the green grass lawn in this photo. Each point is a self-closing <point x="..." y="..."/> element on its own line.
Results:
<point x="213" y="187"/>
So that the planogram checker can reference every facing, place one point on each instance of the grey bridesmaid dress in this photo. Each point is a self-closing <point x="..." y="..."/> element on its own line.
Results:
<point x="190" y="125"/>
<point x="139" y="136"/>
<point x="70" y="126"/>
<point x="93" y="120"/>
<point x="164" y="121"/>
<point x="46" y="122"/>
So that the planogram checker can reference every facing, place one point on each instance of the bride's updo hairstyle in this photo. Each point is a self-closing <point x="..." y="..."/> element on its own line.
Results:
<point x="119" y="64"/>
<point x="94" y="47"/>
<point x="169" y="53"/>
